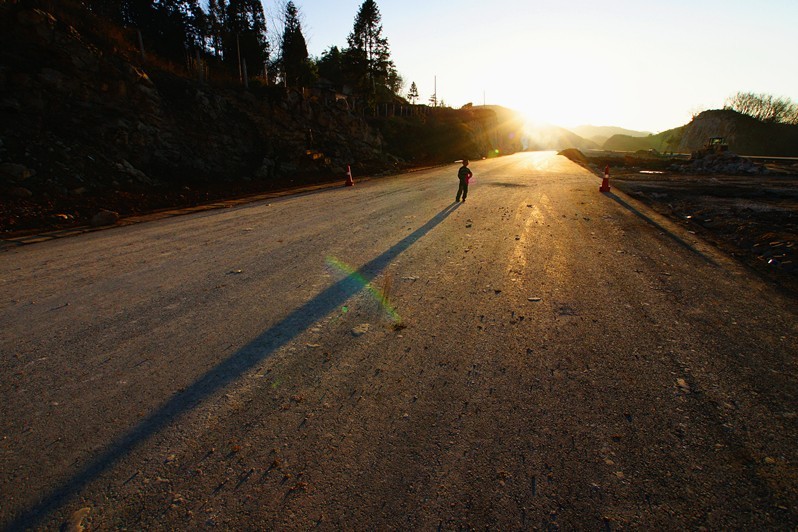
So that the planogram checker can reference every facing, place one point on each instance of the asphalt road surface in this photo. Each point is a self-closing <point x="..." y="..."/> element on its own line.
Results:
<point x="379" y="357"/>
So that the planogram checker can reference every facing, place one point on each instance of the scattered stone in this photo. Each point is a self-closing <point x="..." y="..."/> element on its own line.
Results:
<point x="360" y="330"/>
<point x="235" y="272"/>
<point x="104" y="217"/>
<point x="722" y="163"/>
<point x="534" y="299"/>
<point x="75" y="522"/>
<point x="16" y="172"/>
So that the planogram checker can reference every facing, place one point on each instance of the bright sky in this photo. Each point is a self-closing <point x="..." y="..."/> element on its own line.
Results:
<point x="638" y="64"/>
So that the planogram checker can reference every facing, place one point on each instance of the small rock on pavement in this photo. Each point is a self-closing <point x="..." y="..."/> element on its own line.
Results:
<point x="361" y="329"/>
<point x="75" y="522"/>
<point x="104" y="217"/>
<point x="534" y="299"/>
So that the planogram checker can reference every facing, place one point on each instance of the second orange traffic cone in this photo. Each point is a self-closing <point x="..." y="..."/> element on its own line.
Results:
<point x="349" y="181"/>
<point x="605" y="183"/>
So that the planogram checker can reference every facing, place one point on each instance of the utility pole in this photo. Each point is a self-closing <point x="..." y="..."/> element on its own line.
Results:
<point x="141" y="45"/>
<point x="238" y="51"/>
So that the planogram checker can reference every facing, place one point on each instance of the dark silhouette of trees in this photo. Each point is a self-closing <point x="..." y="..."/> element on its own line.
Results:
<point x="764" y="107"/>
<point x="297" y="69"/>
<point x="331" y="66"/>
<point x="368" y="59"/>
<point x="169" y="27"/>
<point x="412" y="95"/>
<point x="239" y="28"/>
<point x="234" y="33"/>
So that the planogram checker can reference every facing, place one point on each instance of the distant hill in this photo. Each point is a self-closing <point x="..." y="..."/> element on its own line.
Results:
<point x="549" y="137"/>
<point x="535" y="137"/>
<point x="666" y="141"/>
<point x="600" y="134"/>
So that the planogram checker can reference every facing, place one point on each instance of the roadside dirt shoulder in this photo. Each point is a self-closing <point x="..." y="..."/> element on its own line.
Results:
<point x="755" y="219"/>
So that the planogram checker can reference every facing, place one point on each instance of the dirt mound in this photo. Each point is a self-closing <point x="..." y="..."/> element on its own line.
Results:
<point x="745" y="135"/>
<point x="575" y="155"/>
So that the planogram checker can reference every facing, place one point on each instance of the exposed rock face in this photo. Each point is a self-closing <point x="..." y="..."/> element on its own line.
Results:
<point x="124" y="117"/>
<point x="708" y="125"/>
<point x="79" y="115"/>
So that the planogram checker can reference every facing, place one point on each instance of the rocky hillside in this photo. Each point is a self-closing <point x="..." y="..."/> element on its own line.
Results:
<point x="84" y="122"/>
<point x="745" y="135"/>
<point x="88" y="126"/>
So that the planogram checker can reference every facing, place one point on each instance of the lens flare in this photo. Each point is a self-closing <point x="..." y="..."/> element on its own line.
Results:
<point x="377" y="294"/>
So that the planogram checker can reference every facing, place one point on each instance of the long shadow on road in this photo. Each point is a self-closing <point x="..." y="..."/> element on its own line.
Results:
<point x="225" y="373"/>
<point x="662" y="229"/>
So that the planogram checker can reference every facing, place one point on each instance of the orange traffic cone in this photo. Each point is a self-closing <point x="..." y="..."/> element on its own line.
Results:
<point x="605" y="183"/>
<point x="349" y="181"/>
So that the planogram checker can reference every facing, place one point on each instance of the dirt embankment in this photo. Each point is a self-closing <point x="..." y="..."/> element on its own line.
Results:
<point x="752" y="214"/>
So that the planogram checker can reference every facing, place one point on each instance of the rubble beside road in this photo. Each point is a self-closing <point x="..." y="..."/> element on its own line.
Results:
<point x="748" y="210"/>
<point x="726" y="163"/>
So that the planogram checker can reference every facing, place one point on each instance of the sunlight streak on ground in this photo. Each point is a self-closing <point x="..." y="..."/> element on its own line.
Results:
<point x="380" y="296"/>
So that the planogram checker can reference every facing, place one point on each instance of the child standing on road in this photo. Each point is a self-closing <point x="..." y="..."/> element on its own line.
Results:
<point x="464" y="175"/>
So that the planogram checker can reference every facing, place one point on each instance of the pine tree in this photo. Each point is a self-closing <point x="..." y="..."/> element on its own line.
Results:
<point x="170" y="27"/>
<point x="412" y="95"/>
<point x="295" y="64"/>
<point x="238" y="32"/>
<point x="331" y="66"/>
<point x="368" y="55"/>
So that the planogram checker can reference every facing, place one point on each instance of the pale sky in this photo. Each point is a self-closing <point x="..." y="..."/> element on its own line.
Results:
<point x="637" y="64"/>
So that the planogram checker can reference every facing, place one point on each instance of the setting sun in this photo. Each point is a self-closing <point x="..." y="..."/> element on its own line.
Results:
<point x="646" y="67"/>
